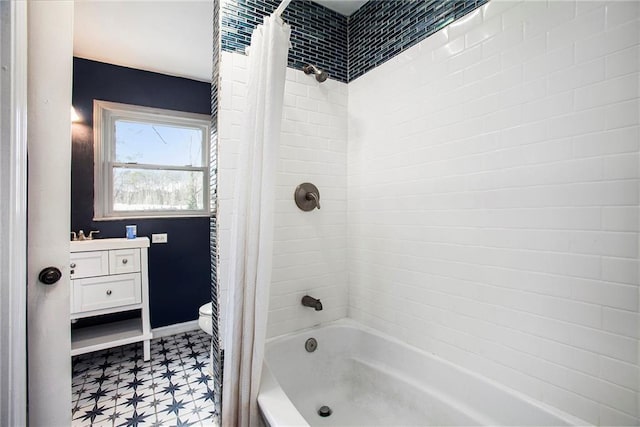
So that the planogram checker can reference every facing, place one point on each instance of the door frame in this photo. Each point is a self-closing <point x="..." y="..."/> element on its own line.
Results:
<point x="13" y="227"/>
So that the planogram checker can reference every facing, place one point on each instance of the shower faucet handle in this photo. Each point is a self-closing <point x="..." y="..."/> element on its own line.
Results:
<point x="307" y="196"/>
<point x="315" y="197"/>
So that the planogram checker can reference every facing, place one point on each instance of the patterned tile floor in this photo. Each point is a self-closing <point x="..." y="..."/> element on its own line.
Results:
<point x="115" y="387"/>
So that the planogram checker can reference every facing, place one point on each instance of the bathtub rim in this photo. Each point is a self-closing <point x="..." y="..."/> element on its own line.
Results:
<point x="274" y="405"/>
<point x="271" y="381"/>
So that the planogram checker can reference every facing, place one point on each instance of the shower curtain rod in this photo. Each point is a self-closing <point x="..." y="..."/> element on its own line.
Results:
<point x="282" y="7"/>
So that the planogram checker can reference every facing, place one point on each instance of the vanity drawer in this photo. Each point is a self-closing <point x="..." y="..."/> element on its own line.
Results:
<point x="99" y="293"/>
<point x="124" y="261"/>
<point x="89" y="264"/>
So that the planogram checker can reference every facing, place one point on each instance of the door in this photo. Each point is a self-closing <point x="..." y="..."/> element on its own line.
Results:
<point x="50" y="52"/>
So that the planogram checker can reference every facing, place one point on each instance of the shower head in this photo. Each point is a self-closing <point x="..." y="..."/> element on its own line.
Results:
<point x="321" y="75"/>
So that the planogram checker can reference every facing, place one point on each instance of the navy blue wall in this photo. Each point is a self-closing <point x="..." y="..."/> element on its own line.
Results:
<point x="179" y="271"/>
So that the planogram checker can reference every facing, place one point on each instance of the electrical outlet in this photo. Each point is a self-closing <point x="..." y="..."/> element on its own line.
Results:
<point x="159" y="238"/>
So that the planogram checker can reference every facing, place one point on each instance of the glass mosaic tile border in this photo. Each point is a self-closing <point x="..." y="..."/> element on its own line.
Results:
<point x="380" y="30"/>
<point x="215" y="350"/>
<point x="318" y="34"/>
<point x="346" y="47"/>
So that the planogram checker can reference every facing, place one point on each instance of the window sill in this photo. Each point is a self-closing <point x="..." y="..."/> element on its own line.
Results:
<point x="138" y="217"/>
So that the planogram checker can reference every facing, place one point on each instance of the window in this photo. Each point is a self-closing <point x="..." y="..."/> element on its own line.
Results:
<point x="150" y="162"/>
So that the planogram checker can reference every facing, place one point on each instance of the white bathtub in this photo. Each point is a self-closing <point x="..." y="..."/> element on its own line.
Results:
<point x="370" y="379"/>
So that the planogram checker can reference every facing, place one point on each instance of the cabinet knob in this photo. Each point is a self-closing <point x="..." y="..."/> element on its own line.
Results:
<point x="73" y="265"/>
<point x="108" y="291"/>
<point x="124" y="261"/>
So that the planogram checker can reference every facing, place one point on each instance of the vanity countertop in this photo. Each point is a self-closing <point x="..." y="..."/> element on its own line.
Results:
<point x="106" y="244"/>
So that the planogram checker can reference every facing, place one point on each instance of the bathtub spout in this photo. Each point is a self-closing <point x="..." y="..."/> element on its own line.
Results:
<point x="312" y="302"/>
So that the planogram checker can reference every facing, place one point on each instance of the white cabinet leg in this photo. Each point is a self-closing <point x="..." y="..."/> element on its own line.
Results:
<point x="146" y="348"/>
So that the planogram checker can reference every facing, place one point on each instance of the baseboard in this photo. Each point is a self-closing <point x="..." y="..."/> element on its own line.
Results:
<point x="176" y="328"/>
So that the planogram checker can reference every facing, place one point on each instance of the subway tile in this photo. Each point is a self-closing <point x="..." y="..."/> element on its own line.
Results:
<point x="446" y="51"/>
<point x="502" y="41"/>
<point x="611" y="417"/>
<point x="583" y="7"/>
<point x="497" y="8"/>
<point x="620" y="322"/>
<point x="481" y="33"/>
<point x="624" y="114"/>
<point x="464" y="26"/>
<point x="609" y="394"/>
<point x="552" y="61"/>
<point x="620" y="373"/>
<point x="604" y="343"/>
<point x="620" y="218"/>
<point x="552" y="106"/>
<point x="516" y="16"/>
<point x="464" y="59"/>
<point x="527" y="50"/>
<point x="622" y="62"/>
<point x="482" y="69"/>
<point x="623" y="166"/>
<point x="611" y="41"/>
<point x="622" y="270"/>
<point x="615" y="141"/>
<point x="577" y="29"/>
<point x="556" y="14"/>
<point x="574" y="403"/>
<point x="607" y="92"/>
<point x="621" y="12"/>
<point x="577" y="123"/>
<point x="576" y="76"/>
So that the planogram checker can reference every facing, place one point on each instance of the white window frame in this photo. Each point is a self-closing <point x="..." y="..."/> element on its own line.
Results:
<point x="105" y="115"/>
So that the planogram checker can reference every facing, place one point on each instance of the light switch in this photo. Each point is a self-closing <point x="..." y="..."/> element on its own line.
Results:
<point x="159" y="238"/>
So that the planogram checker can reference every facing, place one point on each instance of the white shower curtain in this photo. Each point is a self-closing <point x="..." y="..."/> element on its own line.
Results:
<point x="252" y="225"/>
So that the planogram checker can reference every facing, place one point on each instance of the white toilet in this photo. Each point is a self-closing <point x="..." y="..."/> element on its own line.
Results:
<point x="204" y="320"/>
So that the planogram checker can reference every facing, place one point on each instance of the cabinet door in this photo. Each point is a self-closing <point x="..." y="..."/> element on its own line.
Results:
<point x="124" y="261"/>
<point x="98" y="293"/>
<point x="89" y="264"/>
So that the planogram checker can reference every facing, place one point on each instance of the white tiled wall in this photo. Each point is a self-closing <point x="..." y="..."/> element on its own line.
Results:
<point x="493" y="200"/>
<point x="310" y="247"/>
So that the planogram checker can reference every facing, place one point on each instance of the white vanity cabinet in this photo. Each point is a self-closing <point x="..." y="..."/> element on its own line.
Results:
<point x="110" y="276"/>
